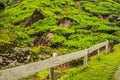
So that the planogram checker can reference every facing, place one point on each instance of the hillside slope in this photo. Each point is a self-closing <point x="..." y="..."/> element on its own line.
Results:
<point x="103" y="69"/>
<point x="60" y="26"/>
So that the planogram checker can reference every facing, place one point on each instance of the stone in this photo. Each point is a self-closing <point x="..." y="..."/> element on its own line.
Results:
<point x="43" y="40"/>
<point x="118" y="19"/>
<point x="36" y="16"/>
<point x="1" y="59"/>
<point x="10" y="3"/>
<point x="19" y="56"/>
<point x="65" y="22"/>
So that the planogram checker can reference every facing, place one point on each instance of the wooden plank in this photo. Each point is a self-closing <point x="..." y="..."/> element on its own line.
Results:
<point x="95" y="47"/>
<point x="51" y="75"/>
<point x="106" y="47"/>
<point x="85" y="59"/>
<point x="28" y="69"/>
<point x="98" y="53"/>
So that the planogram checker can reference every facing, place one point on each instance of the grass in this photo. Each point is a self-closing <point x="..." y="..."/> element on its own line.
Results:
<point x="38" y="76"/>
<point x="102" y="69"/>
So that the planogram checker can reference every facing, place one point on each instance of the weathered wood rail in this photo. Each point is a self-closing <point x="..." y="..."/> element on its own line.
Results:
<point x="28" y="69"/>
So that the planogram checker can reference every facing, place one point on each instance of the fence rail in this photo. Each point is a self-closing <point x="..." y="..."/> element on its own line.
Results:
<point x="28" y="69"/>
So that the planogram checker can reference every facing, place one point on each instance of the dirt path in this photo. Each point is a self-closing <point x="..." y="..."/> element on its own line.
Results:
<point x="117" y="74"/>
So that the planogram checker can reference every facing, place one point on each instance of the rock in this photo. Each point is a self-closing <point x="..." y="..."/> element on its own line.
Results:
<point x="19" y="56"/>
<point x="1" y="59"/>
<point x="10" y="3"/>
<point x="43" y="40"/>
<point x="12" y="65"/>
<point x="118" y="19"/>
<point x="28" y="57"/>
<point x="36" y="16"/>
<point x="66" y="22"/>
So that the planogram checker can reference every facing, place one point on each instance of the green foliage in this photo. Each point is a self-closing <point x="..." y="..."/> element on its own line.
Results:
<point x="113" y="17"/>
<point x="6" y="36"/>
<point x="117" y="1"/>
<point x="23" y="39"/>
<point x="76" y="36"/>
<point x="118" y="23"/>
<point x="94" y="22"/>
<point x="102" y="8"/>
<point x="57" y="41"/>
<point x="82" y="44"/>
<point x="106" y="29"/>
<point x="41" y="75"/>
<point x="36" y="50"/>
<point x="41" y="50"/>
<point x="1" y="25"/>
<point x="62" y="31"/>
<point x="72" y="44"/>
<point x="111" y="38"/>
<point x="117" y="33"/>
<point x="63" y="51"/>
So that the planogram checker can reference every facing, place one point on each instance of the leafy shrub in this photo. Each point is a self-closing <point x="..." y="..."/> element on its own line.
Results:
<point x="78" y="45"/>
<point x="35" y="51"/>
<point x="76" y="37"/>
<point x="41" y="75"/>
<point x="57" y="41"/>
<point x="72" y="44"/>
<point x="106" y="29"/>
<point x="111" y="38"/>
<point x="118" y="23"/>
<point x="1" y="26"/>
<point x="101" y="8"/>
<point x="23" y="40"/>
<point x="117" y="33"/>
<point x="41" y="50"/>
<point x="63" y="51"/>
<point x="82" y="31"/>
<point x="113" y="18"/>
<point x="62" y="31"/>
<point x="6" y="36"/>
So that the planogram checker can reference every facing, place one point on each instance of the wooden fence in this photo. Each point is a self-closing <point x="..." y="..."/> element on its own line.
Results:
<point x="28" y="69"/>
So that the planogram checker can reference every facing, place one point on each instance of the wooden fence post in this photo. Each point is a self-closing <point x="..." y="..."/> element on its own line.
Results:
<point x="85" y="59"/>
<point x="51" y="74"/>
<point x="106" y="47"/>
<point x="98" y="51"/>
<point x="51" y="71"/>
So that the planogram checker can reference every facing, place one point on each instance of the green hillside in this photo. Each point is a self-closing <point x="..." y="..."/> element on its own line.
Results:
<point x="62" y="26"/>
<point x="35" y="29"/>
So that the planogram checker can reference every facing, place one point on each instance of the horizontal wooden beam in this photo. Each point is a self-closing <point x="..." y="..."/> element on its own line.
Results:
<point x="95" y="47"/>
